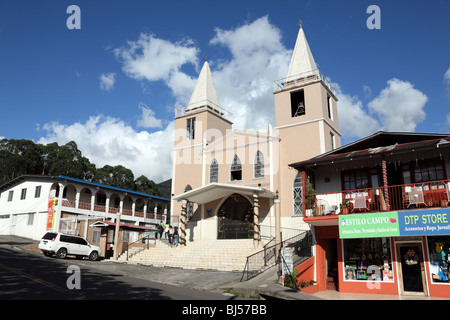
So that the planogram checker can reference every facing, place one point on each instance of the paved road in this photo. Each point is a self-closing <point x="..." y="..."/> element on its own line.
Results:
<point x="28" y="275"/>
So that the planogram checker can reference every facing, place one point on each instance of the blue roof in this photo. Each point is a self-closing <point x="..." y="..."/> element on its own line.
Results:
<point x="113" y="188"/>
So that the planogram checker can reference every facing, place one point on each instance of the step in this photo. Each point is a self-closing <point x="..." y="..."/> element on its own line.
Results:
<point x="227" y="255"/>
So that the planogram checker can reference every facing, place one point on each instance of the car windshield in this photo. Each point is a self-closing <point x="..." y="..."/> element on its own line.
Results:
<point x="49" y="236"/>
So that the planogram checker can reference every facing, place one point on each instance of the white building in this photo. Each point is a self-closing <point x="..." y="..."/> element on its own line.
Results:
<point x="30" y="205"/>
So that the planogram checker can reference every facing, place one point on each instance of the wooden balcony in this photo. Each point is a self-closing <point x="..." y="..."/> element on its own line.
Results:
<point x="393" y="198"/>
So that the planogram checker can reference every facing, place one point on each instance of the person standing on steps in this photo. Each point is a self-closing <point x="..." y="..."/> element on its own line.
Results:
<point x="175" y="237"/>
<point x="170" y="231"/>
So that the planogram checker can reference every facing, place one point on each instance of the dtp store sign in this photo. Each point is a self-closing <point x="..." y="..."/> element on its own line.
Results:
<point x="427" y="222"/>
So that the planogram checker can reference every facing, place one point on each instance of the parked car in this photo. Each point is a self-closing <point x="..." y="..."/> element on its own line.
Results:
<point x="63" y="244"/>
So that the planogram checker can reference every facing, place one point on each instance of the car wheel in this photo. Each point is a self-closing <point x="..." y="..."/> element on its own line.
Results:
<point x="62" y="253"/>
<point x="48" y="254"/>
<point x="93" y="256"/>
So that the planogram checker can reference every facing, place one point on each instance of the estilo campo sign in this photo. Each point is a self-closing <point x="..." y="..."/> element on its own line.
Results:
<point x="391" y="224"/>
<point x="369" y="225"/>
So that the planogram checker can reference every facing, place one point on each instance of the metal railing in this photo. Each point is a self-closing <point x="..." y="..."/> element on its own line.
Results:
<point x="271" y="255"/>
<point x="398" y="197"/>
<point x="302" y="79"/>
<point x="144" y="240"/>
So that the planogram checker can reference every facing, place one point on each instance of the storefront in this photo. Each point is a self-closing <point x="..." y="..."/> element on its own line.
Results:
<point x="400" y="253"/>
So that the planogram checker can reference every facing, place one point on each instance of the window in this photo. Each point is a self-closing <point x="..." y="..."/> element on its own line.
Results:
<point x="23" y="194"/>
<point x="236" y="169"/>
<point x="30" y="219"/>
<point x="259" y="165"/>
<point x="330" y="109"/>
<point x="190" y="129"/>
<point x="332" y="140"/>
<point x="439" y="248"/>
<point x="298" y="194"/>
<point x="358" y="179"/>
<point x="10" y="195"/>
<point x="213" y="171"/>
<point x="297" y="103"/>
<point x="100" y="199"/>
<point x="37" y="192"/>
<point x="368" y="259"/>
<point x="96" y="236"/>
<point x="429" y="170"/>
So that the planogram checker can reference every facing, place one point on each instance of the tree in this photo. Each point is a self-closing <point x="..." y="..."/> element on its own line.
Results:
<point x="19" y="157"/>
<point x="145" y="185"/>
<point x="66" y="160"/>
<point x="117" y="176"/>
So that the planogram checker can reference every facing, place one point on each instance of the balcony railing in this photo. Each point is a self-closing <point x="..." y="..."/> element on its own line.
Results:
<point x="302" y="79"/>
<point x="399" y="197"/>
<point x="112" y="210"/>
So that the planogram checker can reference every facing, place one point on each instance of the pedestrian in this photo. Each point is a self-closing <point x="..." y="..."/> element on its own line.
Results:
<point x="161" y="230"/>
<point x="175" y="237"/>
<point x="166" y="231"/>
<point x="170" y="234"/>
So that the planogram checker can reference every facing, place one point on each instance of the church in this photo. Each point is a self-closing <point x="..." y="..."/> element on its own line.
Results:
<point x="233" y="183"/>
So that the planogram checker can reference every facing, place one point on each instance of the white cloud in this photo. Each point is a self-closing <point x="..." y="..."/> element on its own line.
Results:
<point x="106" y="140"/>
<point x="399" y="106"/>
<point x="244" y="83"/>
<point x="447" y="77"/>
<point x="447" y="82"/>
<point x="354" y="120"/>
<point x="148" y="119"/>
<point x="107" y="81"/>
<point x="153" y="59"/>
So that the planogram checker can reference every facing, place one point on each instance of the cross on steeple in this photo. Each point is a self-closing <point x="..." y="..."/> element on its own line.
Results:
<point x="206" y="58"/>
<point x="300" y="23"/>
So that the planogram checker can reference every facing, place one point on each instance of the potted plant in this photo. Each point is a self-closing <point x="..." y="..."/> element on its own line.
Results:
<point x="444" y="201"/>
<point x="430" y="202"/>
<point x="345" y="206"/>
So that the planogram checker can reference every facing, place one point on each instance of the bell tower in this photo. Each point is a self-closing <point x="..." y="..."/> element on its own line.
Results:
<point x="306" y="118"/>
<point x="196" y="125"/>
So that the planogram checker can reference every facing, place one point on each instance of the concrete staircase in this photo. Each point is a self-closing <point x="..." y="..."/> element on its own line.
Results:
<point x="220" y="255"/>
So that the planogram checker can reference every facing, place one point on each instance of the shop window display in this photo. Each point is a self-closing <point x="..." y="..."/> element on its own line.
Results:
<point x="439" y="250"/>
<point x="368" y="259"/>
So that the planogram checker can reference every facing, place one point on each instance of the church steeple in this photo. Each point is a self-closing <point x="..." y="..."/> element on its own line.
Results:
<point x="302" y="61"/>
<point x="204" y="93"/>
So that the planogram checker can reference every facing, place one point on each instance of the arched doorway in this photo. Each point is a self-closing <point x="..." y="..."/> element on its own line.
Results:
<point x="235" y="217"/>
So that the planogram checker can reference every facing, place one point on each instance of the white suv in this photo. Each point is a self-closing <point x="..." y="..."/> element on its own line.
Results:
<point x="64" y="244"/>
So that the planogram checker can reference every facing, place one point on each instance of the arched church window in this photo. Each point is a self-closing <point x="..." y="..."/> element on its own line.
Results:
<point x="213" y="171"/>
<point x="259" y="165"/>
<point x="236" y="169"/>
<point x="298" y="194"/>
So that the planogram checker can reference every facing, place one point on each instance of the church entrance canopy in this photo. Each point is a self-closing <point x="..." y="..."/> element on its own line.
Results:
<point x="238" y="216"/>
<point x="214" y="191"/>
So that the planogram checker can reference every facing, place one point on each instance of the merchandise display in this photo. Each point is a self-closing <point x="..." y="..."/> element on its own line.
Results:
<point x="368" y="259"/>
<point x="439" y="249"/>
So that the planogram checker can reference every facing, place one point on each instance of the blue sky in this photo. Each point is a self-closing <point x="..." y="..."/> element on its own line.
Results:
<point x="112" y="85"/>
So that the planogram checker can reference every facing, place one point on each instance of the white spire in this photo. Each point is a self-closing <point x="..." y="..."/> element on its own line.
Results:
<point x="204" y="93"/>
<point x="302" y="61"/>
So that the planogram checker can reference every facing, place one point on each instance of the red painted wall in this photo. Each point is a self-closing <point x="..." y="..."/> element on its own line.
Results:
<point x="371" y="287"/>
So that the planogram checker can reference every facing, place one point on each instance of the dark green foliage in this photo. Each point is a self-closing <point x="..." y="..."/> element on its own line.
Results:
<point x="19" y="157"/>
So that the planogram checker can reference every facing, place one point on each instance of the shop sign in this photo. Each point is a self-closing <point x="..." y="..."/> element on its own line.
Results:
<point x="369" y="225"/>
<point x="425" y="222"/>
<point x="51" y="213"/>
